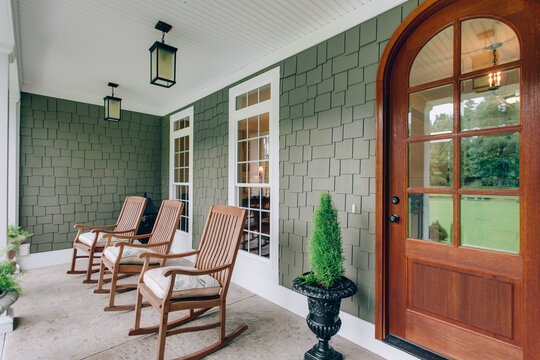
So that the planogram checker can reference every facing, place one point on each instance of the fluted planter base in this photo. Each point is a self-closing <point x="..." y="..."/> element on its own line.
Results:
<point x="323" y="318"/>
<point x="322" y="351"/>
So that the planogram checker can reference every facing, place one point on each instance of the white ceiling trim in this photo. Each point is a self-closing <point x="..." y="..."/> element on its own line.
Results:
<point x="360" y="15"/>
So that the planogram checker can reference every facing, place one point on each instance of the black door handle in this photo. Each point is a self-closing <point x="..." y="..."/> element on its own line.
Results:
<point x="394" y="218"/>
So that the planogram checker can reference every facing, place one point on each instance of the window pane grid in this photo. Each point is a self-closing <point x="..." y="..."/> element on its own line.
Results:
<point x="181" y="175"/>
<point x="253" y="97"/>
<point x="256" y="236"/>
<point x="182" y="195"/>
<point x="181" y="124"/>
<point x="456" y="159"/>
<point x="253" y="150"/>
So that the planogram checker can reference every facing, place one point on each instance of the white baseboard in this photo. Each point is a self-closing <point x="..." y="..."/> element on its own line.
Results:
<point x="353" y="329"/>
<point x="47" y="258"/>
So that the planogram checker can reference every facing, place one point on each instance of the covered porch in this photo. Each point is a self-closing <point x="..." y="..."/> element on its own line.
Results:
<point x="419" y="117"/>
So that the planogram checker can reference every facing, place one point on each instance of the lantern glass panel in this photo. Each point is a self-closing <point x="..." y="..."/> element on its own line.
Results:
<point x="166" y="63"/>
<point x="153" y="62"/>
<point x="114" y="109"/>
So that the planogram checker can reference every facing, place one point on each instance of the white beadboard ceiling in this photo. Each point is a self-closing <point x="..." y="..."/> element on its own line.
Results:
<point x="71" y="49"/>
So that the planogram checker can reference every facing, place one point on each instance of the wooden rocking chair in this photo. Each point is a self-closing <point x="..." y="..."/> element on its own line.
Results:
<point x="197" y="288"/>
<point x="93" y="242"/>
<point x="122" y="257"/>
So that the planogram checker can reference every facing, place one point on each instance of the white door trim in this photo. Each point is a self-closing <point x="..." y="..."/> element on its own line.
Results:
<point x="182" y="240"/>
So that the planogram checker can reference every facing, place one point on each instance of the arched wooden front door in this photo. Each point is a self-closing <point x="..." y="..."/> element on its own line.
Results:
<point x="458" y="242"/>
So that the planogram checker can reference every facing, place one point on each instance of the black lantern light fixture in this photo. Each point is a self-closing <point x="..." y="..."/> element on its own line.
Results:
<point x="163" y="60"/>
<point x="112" y="105"/>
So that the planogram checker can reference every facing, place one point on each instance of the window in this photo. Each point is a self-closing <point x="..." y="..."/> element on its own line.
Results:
<point x="253" y="160"/>
<point x="181" y="165"/>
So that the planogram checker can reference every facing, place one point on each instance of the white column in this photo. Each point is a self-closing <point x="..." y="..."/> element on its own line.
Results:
<point x="4" y="119"/>
<point x="13" y="159"/>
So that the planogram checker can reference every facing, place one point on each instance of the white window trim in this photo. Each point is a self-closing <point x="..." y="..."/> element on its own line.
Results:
<point x="272" y="107"/>
<point x="173" y="135"/>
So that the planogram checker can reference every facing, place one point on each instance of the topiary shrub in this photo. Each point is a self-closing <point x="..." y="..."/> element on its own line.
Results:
<point x="324" y="248"/>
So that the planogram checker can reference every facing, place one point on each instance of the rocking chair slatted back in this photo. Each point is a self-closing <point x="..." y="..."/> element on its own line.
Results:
<point x="164" y="227"/>
<point x="131" y="214"/>
<point x="220" y="241"/>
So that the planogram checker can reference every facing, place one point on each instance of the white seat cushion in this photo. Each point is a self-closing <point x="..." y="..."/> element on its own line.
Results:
<point x="130" y="255"/>
<point x="88" y="239"/>
<point x="184" y="285"/>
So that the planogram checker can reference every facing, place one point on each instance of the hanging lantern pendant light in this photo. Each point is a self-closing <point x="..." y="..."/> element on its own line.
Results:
<point x="163" y="60"/>
<point x="112" y="105"/>
<point x="494" y="78"/>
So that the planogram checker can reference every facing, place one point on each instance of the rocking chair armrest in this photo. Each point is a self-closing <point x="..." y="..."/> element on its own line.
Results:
<point x="169" y="272"/>
<point x="142" y="245"/>
<point x="168" y="256"/>
<point x="81" y="226"/>
<point x="111" y="232"/>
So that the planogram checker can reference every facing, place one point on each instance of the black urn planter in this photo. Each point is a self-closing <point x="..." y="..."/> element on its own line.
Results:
<point x="148" y="219"/>
<point x="323" y="318"/>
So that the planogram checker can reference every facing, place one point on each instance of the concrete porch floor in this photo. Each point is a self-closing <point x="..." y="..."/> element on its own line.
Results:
<point x="58" y="317"/>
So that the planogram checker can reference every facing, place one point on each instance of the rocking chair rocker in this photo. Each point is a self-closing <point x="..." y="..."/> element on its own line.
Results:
<point x="198" y="288"/>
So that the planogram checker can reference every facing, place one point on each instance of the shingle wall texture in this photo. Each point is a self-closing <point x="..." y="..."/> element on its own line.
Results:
<point x="78" y="168"/>
<point x="327" y="143"/>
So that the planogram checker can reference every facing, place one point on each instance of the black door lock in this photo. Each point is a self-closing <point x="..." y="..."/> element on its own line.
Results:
<point x="394" y="218"/>
<point x="395" y="200"/>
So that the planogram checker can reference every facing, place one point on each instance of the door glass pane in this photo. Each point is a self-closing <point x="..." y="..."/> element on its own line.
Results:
<point x="431" y="111"/>
<point x="256" y="238"/>
<point x="253" y="176"/>
<point x="265" y="199"/>
<point x="243" y="197"/>
<point x="254" y="243"/>
<point x="434" y="61"/>
<point x="241" y="101"/>
<point x="264" y="123"/>
<point x="254" y="198"/>
<point x="480" y="37"/>
<point x="242" y="151"/>
<point x="253" y="150"/>
<point x="242" y="173"/>
<point x="265" y="246"/>
<point x="264" y="148"/>
<point x="264" y="172"/>
<point x="242" y="129"/>
<point x="253" y="97"/>
<point x="490" y="222"/>
<point x="490" y="161"/>
<point x="264" y="93"/>
<point x="253" y="126"/>
<point x="485" y="107"/>
<point x="430" y="164"/>
<point x="431" y="217"/>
